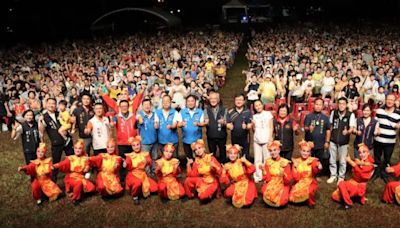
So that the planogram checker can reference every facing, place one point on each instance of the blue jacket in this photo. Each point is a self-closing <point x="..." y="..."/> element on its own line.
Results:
<point x="147" y="130"/>
<point x="190" y="132"/>
<point x="166" y="135"/>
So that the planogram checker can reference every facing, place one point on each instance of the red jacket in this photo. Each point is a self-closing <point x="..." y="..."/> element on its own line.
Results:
<point x="125" y="126"/>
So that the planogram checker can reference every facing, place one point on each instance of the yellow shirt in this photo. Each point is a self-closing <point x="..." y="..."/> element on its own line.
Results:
<point x="209" y="66"/>
<point x="64" y="119"/>
<point x="268" y="90"/>
<point x="318" y="78"/>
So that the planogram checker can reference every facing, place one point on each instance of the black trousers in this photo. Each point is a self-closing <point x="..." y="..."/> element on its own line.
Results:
<point x="244" y="143"/>
<point x="99" y="151"/>
<point x="287" y="154"/>
<point x="320" y="154"/>
<point x="56" y="154"/>
<point x="122" y="150"/>
<point x="213" y="143"/>
<point x="29" y="157"/>
<point x="188" y="150"/>
<point x="386" y="150"/>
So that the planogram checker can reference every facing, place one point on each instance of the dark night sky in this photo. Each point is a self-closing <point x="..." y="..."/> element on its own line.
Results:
<point x="34" y="18"/>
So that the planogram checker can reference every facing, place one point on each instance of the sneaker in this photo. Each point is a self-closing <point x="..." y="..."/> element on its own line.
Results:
<point x="136" y="200"/>
<point x="331" y="180"/>
<point x="340" y="180"/>
<point x="38" y="202"/>
<point x="347" y="207"/>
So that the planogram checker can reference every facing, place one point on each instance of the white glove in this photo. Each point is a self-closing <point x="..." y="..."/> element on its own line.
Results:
<point x="87" y="175"/>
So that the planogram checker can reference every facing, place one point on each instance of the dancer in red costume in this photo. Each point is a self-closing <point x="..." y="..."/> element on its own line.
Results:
<point x="41" y="170"/>
<point x="137" y="180"/>
<point x="392" y="189"/>
<point x="303" y="171"/>
<point x="242" y="190"/>
<point x="277" y="176"/>
<point x="108" y="164"/>
<point x="202" y="175"/>
<point x="77" y="167"/>
<point x="167" y="169"/>
<point x="356" y="187"/>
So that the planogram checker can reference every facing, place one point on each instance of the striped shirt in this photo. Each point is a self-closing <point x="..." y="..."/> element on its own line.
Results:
<point x="387" y="124"/>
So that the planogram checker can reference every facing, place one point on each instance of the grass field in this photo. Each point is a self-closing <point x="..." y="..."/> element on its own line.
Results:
<point x="18" y="209"/>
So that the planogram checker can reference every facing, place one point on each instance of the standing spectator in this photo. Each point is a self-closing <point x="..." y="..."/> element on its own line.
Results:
<point x="284" y="128"/>
<point x="389" y="122"/>
<point x="50" y="123"/>
<point x="215" y="116"/>
<point x="125" y="119"/>
<point x="251" y="89"/>
<point x="191" y="124"/>
<point x="366" y="128"/>
<point x="239" y="122"/>
<point x="169" y="118"/>
<point x="81" y="117"/>
<point x="317" y="130"/>
<point x="148" y="124"/>
<point x="29" y="131"/>
<point x="267" y="90"/>
<point x="178" y="92"/>
<point x="99" y="128"/>
<point x="262" y="124"/>
<point x="343" y="124"/>
<point x="4" y="111"/>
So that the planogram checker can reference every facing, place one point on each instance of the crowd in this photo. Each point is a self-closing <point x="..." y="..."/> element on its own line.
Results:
<point x="155" y="92"/>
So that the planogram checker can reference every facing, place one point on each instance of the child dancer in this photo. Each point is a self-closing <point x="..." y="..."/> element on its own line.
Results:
<point x="41" y="170"/>
<point x="77" y="168"/>
<point x="167" y="168"/>
<point x="243" y="190"/>
<point x="304" y="170"/>
<point x="137" y="180"/>
<point x="356" y="187"/>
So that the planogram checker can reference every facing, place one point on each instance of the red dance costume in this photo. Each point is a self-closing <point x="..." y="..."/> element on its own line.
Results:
<point x="75" y="181"/>
<point x="107" y="180"/>
<point x="202" y="177"/>
<point x="392" y="189"/>
<point x="137" y="180"/>
<point x="305" y="185"/>
<point x="169" y="186"/>
<point x="277" y="176"/>
<point x="41" y="170"/>
<point x="243" y="190"/>
<point x="356" y="187"/>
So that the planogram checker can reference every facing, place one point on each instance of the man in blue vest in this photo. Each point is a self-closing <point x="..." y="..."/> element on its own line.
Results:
<point x="168" y="123"/>
<point x="148" y="125"/>
<point x="191" y="124"/>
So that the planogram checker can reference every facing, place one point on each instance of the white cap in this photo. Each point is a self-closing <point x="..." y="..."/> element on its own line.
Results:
<point x="299" y="76"/>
